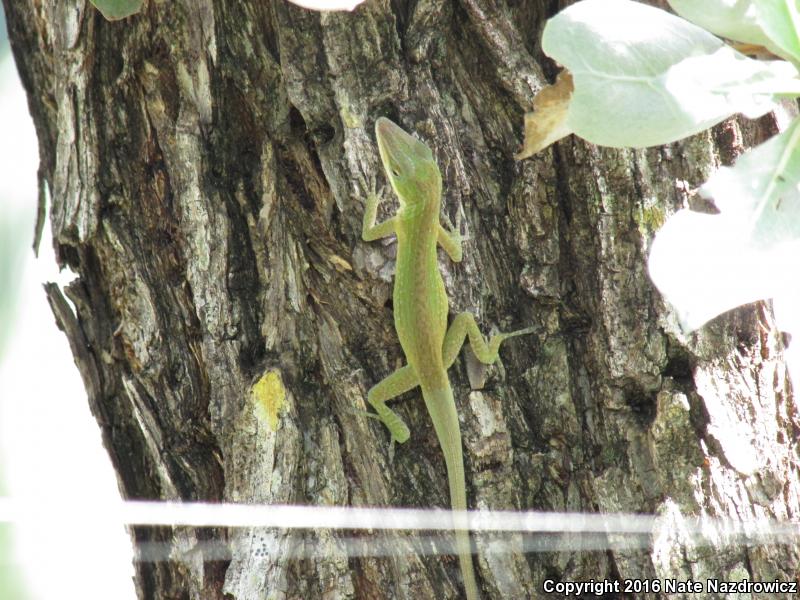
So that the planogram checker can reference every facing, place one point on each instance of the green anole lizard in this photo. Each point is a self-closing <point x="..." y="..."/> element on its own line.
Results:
<point x="420" y="312"/>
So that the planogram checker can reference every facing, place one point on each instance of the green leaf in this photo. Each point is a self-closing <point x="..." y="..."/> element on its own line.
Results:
<point x="118" y="9"/>
<point x="780" y="20"/>
<point x="706" y="264"/>
<point x="644" y="77"/>
<point x="732" y="19"/>
<point x="762" y="189"/>
<point x="328" y="5"/>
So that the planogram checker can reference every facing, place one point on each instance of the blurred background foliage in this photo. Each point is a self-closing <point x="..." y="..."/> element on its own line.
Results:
<point x="12" y="245"/>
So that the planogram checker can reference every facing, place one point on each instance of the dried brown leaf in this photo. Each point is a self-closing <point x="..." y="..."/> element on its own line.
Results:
<point x="548" y="122"/>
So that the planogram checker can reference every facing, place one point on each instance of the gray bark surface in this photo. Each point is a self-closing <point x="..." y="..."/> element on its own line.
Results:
<point x="204" y="159"/>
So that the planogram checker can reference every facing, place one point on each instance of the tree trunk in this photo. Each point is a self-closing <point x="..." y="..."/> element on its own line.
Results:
<point x="204" y="160"/>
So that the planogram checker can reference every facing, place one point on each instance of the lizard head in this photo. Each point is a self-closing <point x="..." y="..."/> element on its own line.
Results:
<point x="409" y="164"/>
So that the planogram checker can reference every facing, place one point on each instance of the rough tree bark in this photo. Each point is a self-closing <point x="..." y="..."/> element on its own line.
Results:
<point x="203" y="158"/>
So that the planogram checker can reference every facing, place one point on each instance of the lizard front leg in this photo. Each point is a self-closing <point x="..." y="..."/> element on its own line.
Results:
<point x="369" y="230"/>
<point x="450" y="240"/>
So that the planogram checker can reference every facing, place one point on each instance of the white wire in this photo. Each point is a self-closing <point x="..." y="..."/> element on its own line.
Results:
<point x="501" y="531"/>
<point x="381" y="546"/>
<point x="206" y="514"/>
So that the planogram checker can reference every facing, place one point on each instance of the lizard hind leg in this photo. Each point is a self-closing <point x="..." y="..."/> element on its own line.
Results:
<point x="464" y="326"/>
<point x="399" y="382"/>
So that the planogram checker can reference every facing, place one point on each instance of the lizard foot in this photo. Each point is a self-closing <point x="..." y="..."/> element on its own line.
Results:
<point x="455" y="230"/>
<point x="393" y="422"/>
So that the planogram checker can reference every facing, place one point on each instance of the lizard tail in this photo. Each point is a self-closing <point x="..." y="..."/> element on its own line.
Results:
<point x="442" y="409"/>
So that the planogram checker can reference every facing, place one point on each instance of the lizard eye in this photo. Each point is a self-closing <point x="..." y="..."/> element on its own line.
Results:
<point x="395" y="173"/>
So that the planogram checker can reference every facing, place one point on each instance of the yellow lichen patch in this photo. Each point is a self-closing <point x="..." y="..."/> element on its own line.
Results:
<point x="269" y="396"/>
